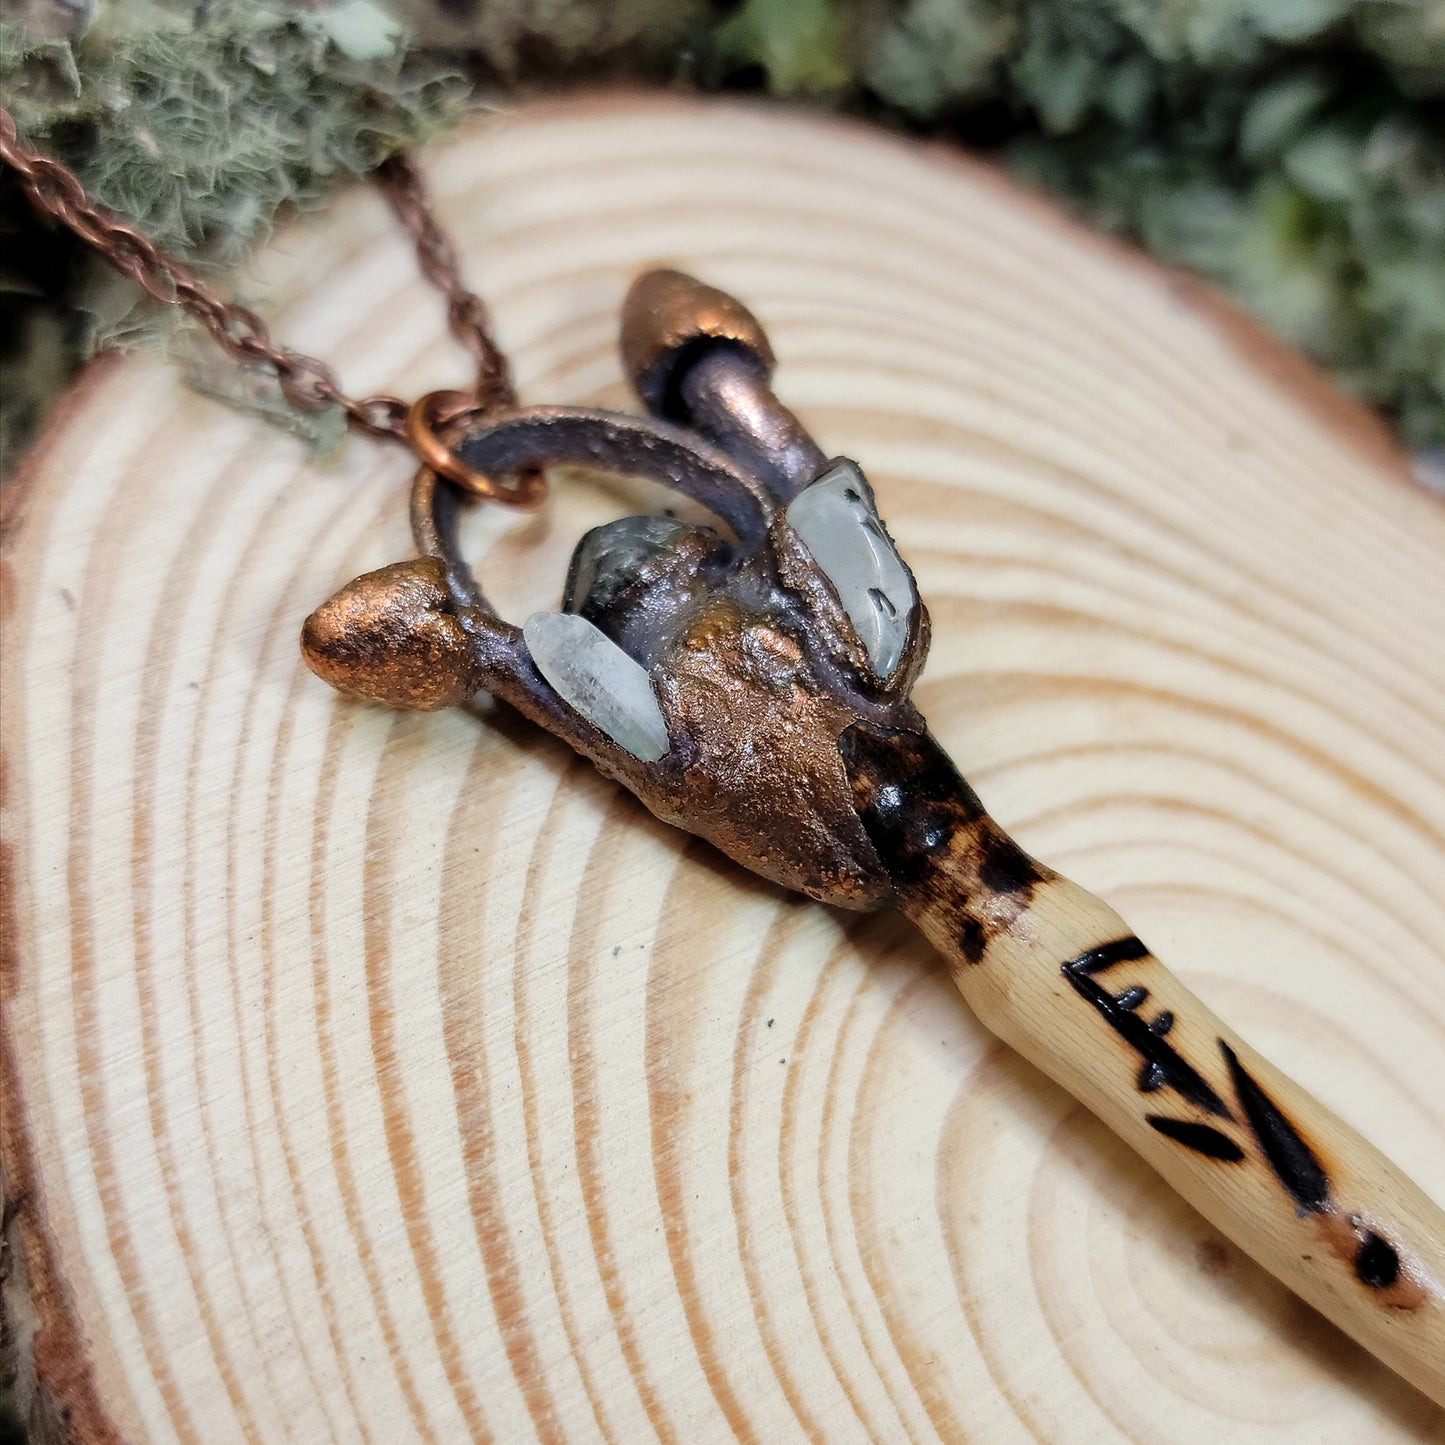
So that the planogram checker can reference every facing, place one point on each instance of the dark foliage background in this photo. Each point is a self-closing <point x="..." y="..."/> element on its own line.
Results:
<point x="1291" y="150"/>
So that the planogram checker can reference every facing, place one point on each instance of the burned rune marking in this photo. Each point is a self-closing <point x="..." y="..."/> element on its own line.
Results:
<point x="1376" y="1261"/>
<point x="1292" y="1160"/>
<point x="1202" y="1138"/>
<point x="1163" y="1066"/>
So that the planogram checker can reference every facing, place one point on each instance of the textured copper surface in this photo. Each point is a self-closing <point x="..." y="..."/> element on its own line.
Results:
<point x="391" y="636"/>
<point x="752" y="658"/>
<point x="667" y="313"/>
<point x="433" y="419"/>
<point x="765" y="781"/>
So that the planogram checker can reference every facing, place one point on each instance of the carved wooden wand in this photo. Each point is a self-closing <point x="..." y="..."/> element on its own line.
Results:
<point x="754" y="689"/>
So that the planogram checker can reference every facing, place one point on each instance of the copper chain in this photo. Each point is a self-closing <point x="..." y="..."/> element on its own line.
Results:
<point x="307" y="383"/>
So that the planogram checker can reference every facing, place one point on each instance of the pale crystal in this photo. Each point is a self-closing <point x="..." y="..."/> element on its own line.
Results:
<point x="835" y="520"/>
<point x="595" y="676"/>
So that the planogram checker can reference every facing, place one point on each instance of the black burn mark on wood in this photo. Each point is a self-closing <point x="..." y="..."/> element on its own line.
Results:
<point x="935" y="841"/>
<point x="1162" y="1065"/>
<point x="1377" y="1262"/>
<point x="1292" y="1160"/>
<point x="910" y="798"/>
<point x="1202" y="1138"/>
<point x="1121" y="950"/>
<point x="972" y="940"/>
<point x="1003" y="867"/>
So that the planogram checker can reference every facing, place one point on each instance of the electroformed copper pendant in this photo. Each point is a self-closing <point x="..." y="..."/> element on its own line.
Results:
<point x="753" y="687"/>
<point x="712" y="675"/>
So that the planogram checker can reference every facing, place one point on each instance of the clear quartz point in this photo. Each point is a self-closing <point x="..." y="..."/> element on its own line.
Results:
<point x="835" y="519"/>
<point x="593" y="675"/>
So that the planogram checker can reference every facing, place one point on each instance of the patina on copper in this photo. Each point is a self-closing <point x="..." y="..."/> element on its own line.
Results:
<point x="669" y="316"/>
<point x="434" y="420"/>
<point x="753" y="662"/>
<point x="393" y="636"/>
<point x="699" y="357"/>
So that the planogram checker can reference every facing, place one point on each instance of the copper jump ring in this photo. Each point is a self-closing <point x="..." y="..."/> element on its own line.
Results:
<point x="441" y="409"/>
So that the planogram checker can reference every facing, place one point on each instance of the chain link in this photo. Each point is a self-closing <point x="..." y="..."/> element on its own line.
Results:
<point x="467" y="314"/>
<point x="307" y="383"/>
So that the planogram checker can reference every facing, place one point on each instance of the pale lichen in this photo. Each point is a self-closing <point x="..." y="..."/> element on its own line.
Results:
<point x="202" y="126"/>
<point x="1291" y="150"/>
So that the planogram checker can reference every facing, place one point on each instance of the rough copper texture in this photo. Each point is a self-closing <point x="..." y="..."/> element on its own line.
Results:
<point x="697" y="356"/>
<point x="390" y="636"/>
<point x="666" y="315"/>
<point x="749" y="651"/>
<point x="766" y="783"/>
<point x="754" y="689"/>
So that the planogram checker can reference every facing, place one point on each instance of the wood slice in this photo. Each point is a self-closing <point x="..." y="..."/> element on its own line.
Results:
<point x="380" y="1077"/>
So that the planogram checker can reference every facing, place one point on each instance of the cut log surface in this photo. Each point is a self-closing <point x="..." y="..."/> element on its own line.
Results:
<point x="381" y="1077"/>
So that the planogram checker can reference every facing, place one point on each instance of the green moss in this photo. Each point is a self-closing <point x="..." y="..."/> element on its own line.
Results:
<point x="799" y="43"/>
<point x="202" y="127"/>
<point x="1291" y="150"/>
<point x="202" y="130"/>
<point x="938" y="54"/>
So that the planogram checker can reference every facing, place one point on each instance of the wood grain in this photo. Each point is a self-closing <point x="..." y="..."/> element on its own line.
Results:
<point x="383" y="1077"/>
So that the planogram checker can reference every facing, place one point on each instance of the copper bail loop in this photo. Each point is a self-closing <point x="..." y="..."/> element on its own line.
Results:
<point x="442" y="410"/>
